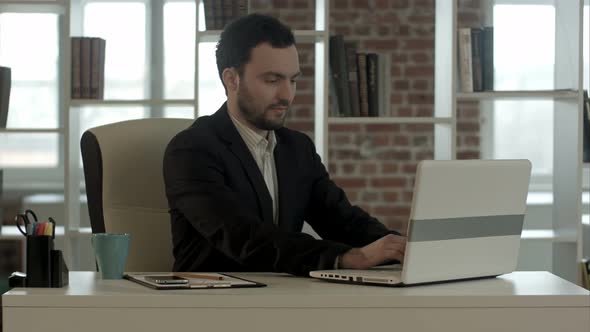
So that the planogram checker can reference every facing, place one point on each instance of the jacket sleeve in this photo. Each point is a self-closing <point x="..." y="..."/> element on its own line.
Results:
<point x="332" y="216"/>
<point x="195" y="186"/>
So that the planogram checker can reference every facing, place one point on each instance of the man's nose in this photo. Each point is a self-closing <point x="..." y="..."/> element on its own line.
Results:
<point x="286" y="90"/>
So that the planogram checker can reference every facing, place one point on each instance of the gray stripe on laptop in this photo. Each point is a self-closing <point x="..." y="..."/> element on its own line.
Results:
<point x="463" y="228"/>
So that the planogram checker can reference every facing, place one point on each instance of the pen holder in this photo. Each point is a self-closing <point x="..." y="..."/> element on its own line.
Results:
<point x="39" y="261"/>
<point x="45" y="266"/>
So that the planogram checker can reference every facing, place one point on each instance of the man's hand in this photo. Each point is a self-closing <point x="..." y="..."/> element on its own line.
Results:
<point x="387" y="248"/>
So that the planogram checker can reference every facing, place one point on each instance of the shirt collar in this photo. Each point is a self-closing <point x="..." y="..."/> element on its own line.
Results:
<point x="253" y="140"/>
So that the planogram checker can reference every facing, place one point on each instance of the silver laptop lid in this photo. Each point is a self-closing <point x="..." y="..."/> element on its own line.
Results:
<point x="466" y="219"/>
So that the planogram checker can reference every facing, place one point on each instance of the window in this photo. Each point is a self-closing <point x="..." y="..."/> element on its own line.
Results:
<point x="524" y="57"/>
<point x="524" y="60"/>
<point x="30" y="48"/>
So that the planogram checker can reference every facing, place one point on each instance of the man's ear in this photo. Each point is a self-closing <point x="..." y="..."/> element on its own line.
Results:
<point x="231" y="79"/>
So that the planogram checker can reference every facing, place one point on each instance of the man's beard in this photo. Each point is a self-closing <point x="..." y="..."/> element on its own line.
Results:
<point x="255" y="117"/>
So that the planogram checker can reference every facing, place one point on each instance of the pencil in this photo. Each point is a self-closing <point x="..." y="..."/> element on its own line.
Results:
<point x="199" y="276"/>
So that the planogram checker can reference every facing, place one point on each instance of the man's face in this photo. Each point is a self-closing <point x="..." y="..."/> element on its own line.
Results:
<point x="267" y="86"/>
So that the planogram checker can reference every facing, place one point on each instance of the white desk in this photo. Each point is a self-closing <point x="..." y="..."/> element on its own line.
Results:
<point x="521" y="301"/>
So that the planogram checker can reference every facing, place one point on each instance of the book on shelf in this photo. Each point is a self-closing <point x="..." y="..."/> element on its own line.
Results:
<point x="88" y="63"/>
<point x="218" y="13"/>
<point x="476" y="63"/>
<point x="353" y="84"/>
<point x="586" y="129"/>
<point x="98" y="48"/>
<point x="584" y="268"/>
<point x="76" y="84"/>
<point x="465" y="62"/>
<point x="5" y="84"/>
<point x="487" y="58"/>
<point x="476" y="59"/>
<point x="361" y="61"/>
<point x="85" y="54"/>
<point x="339" y="69"/>
<point x="373" y="84"/>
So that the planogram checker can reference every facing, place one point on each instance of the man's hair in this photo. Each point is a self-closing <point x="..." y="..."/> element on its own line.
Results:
<point x="242" y="35"/>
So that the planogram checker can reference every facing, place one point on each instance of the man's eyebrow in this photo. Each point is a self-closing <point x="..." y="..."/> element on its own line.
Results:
<point x="272" y="73"/>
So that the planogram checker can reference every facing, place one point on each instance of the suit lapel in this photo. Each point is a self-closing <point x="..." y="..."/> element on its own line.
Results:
<point x="284" y="165"/>
<point x="237" y="146"/>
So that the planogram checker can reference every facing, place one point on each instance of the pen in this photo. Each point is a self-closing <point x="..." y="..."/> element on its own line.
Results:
<point x="199" y="276"/>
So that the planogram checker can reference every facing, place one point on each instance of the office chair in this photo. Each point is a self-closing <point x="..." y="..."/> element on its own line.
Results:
<point x="125" y="186"/>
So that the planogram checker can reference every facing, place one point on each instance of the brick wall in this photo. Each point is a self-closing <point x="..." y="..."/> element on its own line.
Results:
<point x="375" y="163"/>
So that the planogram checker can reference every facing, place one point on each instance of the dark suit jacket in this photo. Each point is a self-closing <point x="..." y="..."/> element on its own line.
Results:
<point x="221" y="210"/>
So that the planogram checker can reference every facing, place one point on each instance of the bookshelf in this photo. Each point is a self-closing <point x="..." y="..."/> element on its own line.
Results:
<point x="565" y="234"/>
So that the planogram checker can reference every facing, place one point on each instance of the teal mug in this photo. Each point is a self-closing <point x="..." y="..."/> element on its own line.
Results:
<point x="111" y="252"/>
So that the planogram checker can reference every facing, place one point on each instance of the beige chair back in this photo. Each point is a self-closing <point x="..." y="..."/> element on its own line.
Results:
<point x="125" y="186"/>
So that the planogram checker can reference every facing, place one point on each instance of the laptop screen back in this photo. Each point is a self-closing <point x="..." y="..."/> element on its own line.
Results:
<point x="466" y="219"/>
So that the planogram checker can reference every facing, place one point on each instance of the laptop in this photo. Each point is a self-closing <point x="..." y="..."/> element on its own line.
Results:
<point x="465" y="223"/>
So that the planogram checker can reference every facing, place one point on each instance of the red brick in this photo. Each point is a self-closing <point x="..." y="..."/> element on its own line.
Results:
<point x="425" y="111"/>
<point x="471" y="141"/>
<point x="420" y="98"/>
<point x="304" y="99"/>
<point x="468" y="126"/>
<point x="420" y="85"/>
<point x="382" y="127"/>
<point x="424" y="4"/>
<point x="421" y="19"/>
<point x="405" y="111"/>
<point x="424" y="155"/>
<point x="401" y="85"/>
<point x="382" y="44"/>
<point x="419" y="127"/>
<point x="339" y="139"/>
<point x="352" y="195"/>
<point x="406" y="197"/>
<point x="369" y="197"/>
<point x="348" y="128"/>
<point x="301" y="4"/>
<point x="410" y="168"/>
<point x="403" y="30"/>
<point x="396" y="98"/>
<point x="400" y="4"/>
<point x="390" y="196"/>
<point x="368" y="168"/>
<point x="280" y="3"/>
<point x="394" y="155"/>
<point x="380" y="140"/>
<point x="389" y="168"/>
<point x="396" y="182"/>
<point x="419" y="44"/>
<point x="332" y="168"/>
<point x="387" y="18"/>
<point x="391" y="210"/>
<point x="300" y="125"/>
<point x="347" y="168"/>
<point x="340" y="4"/>
<point x="399" y="57"/>
<point x="468" y="155"/>
<point x="421" y="57"/>
<point x="467" y="18"/>
<point x="362" y="30"/>
<point x="382" y="4"/>
<point x="343" y="30"/>
<point x="350" y="182"/>
<point x="399" y="140"/>
<point x="383" y="31"/>
<point x="360" y="4"/>
<point x="419" y="71"/>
